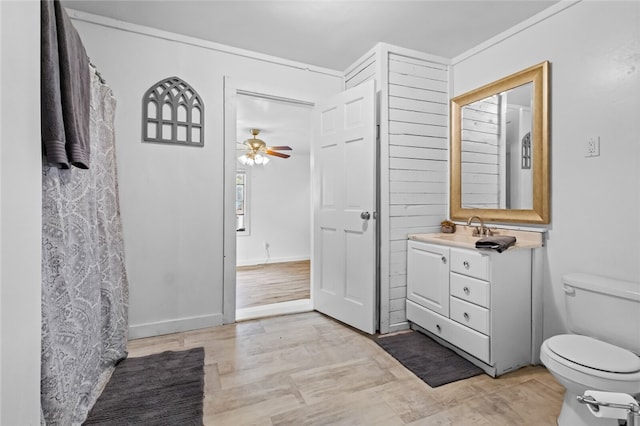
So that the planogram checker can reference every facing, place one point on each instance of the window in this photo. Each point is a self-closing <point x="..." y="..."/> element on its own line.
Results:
<point x="172" y="112"/>
<point x="242" y="217"/>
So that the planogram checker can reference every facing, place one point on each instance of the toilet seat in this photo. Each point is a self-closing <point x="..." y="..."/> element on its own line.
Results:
<point x="594" y="354"/>
<point x="586" y="377"/>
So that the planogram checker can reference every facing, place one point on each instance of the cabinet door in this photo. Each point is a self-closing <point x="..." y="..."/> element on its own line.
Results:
<point x="428" y="276"/>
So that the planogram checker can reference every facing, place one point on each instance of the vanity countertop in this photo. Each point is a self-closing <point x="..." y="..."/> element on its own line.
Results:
<point x="463" y="238"/>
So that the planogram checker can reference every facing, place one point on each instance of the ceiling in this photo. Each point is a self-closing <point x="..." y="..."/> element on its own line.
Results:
<point x="325" y="33"/>
<point x="280" y="123"/>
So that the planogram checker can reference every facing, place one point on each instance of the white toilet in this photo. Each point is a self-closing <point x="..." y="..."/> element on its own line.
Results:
<point x="603" y="353"/>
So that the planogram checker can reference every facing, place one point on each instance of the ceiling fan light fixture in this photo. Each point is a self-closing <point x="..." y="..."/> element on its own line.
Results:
<point x="258" y="152"/>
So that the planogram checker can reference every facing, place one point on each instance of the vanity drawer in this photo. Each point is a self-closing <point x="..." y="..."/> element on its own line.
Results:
<point x="468" y="340"/>
<point x="470" y="263"/>
<point x="470" y="289"/>
<point x="469" y="315"/>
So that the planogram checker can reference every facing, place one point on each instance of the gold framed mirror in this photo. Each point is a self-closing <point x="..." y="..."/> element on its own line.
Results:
<point x="500" y="150"/>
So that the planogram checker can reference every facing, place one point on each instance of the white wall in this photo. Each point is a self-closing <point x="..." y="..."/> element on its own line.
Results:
<point x="280" y="212"/>
<point x="171" y="196"/>
<point x="594" y="52"/>
<point x="20" y="213"/>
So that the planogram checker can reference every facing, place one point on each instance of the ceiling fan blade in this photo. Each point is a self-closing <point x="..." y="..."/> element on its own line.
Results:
<point x="280" y="148"/>
<point x="277" y="154"/>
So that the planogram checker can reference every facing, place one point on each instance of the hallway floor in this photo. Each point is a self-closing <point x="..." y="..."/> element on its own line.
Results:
<point x="307" y="369"/>
<point x="272" y="283"/>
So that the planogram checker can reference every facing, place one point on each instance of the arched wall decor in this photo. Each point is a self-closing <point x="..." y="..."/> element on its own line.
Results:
<point x="173" y="112"/>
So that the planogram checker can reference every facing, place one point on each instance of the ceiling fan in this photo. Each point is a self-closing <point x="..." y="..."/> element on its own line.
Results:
<point x="257" y="150"/>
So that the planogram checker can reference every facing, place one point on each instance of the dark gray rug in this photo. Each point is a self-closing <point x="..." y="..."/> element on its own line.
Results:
<point x="427" y="359"/>
<point x="160" y="389"/>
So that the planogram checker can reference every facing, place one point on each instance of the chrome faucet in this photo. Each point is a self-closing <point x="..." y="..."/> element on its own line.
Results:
<point x="479" y="230"/>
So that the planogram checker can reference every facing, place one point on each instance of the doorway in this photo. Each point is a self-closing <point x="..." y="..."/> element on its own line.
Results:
<point x="273" y="208"/>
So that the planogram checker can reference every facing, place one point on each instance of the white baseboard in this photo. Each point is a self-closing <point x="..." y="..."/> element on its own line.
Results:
<point x="283" y="308"/>
<point x="399" y="327"/>
<point x="251" y="262"/>
<point x="174" y="326"/>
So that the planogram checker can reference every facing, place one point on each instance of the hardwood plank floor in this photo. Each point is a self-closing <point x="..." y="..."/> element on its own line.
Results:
<point x="272" y="283"/>
<point x="308" y="369"/>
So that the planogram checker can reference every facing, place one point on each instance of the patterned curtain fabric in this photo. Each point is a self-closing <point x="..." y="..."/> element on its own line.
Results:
<point x="84" y="284"/>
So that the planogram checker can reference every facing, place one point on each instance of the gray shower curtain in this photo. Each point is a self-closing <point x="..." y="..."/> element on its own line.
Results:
<point x="84" y="283"/>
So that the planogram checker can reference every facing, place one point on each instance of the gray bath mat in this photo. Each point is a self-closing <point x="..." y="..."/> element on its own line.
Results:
<point x="427" y="359"/>
<point x="160" y="389"/>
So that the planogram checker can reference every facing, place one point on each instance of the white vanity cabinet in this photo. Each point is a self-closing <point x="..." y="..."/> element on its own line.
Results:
<point x="429" y="262"/>
<point x="476" y="302"/>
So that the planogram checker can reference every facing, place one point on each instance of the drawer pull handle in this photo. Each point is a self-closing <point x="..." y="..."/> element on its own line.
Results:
<point x="466" y="290"/>
<point x="465" y="264"/>
<point x="444" y="259"/>
<point x="438" y="328"/>
<point x="466" y="316"/>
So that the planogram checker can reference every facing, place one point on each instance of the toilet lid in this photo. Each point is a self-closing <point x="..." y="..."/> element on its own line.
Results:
<point x="595" y="354"/>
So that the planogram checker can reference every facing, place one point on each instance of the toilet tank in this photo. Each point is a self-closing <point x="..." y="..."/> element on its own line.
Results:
<point x="604" y="308"/>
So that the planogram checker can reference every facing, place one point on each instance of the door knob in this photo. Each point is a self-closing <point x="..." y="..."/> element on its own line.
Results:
<point x="365" y="215"/>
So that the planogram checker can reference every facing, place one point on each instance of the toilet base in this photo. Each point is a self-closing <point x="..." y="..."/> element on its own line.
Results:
<point x="574" y="413"/>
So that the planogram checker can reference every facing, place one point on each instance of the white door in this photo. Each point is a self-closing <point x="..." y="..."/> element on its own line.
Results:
<point x="344" y="228"/>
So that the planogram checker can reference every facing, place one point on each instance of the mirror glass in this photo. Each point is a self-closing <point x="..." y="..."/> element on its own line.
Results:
<point x="499" y="150"/>
<point x="496" y="151"/>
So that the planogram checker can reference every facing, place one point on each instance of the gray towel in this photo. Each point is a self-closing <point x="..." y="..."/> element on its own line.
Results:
<point x="498" y="243"/>
<point x="64" y="90"/>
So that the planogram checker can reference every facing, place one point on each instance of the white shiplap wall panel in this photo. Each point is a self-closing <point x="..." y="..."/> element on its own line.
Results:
<point x="398" y="263"/>
<point x="365" y="71"/>
<point x="423" y="199"/>
<point x="400" y="151"/>
<point x="397" y="317"/>
<point x="417" y="175"/>
<point x="398" y="293"/>
<point x="417" y="82"/>
<point x="418" y="105"/>
<point x="417" y="67"/>
<point x="396" y="281"/>
<point x="418" y="164"/>
<point x="401" y="233"/>
<point x="419" y="140"/>
<point x="397" y="246"/>
<point x="415" y="187"/>
<point x="419" y="117"/>
<point x="368" y="73"/>
<point x="418" y="94"/>
<point x="402" y="128"/>
<point x="407" y="210"/>
<point x="418" y="161"/>
<point x="408" y="221"/>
